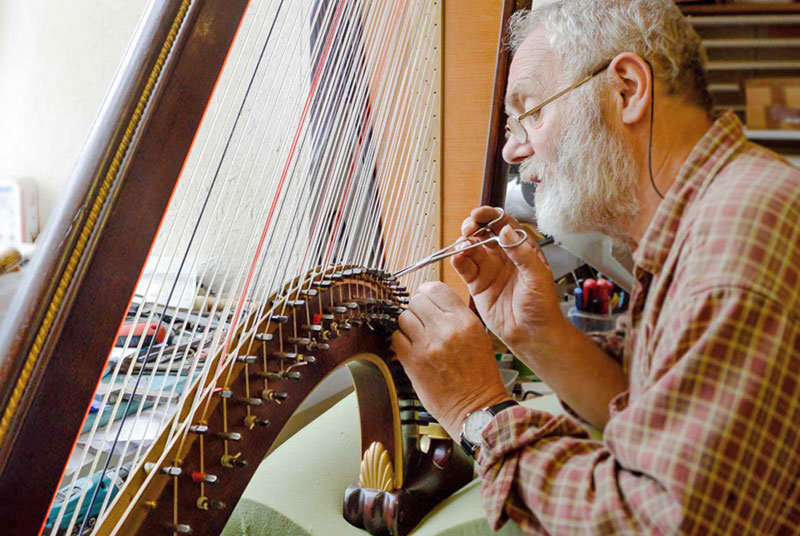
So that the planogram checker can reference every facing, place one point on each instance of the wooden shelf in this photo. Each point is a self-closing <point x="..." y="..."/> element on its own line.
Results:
<point x="777" y="135"/>
<point x="742" y="9"/>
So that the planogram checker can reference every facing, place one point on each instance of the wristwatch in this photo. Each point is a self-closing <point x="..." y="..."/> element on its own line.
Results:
<point x="472" y="429"/>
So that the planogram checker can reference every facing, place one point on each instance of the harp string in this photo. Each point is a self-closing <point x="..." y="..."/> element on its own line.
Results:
<point x="345" y="197"/>
<point x="149" y="349"/>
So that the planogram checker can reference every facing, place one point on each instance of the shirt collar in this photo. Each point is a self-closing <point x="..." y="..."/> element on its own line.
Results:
<point x="708" y="156"/>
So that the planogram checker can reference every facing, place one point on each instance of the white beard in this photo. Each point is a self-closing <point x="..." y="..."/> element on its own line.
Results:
<point x="591" y="186"/>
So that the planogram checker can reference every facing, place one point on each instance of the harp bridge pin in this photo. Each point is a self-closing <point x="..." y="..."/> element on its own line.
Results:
<point x="295" y="303"/>
<point x="279" y="319"/>
<point x="275" y="396"/>
<point x="263" y="337"/>
<point x="253" y="402"/>
<point x="302" y="341"/>
<point x="232" y="460"/>
<point x="308" y="292"/>
<point x="204" y="503"/>
<point x="337" y="310"/>
<point x="247" y="359"/>
<point x="251" y="421"/>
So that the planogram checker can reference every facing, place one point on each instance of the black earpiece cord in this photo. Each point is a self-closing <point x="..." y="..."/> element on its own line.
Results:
<point x="652" y="118"/>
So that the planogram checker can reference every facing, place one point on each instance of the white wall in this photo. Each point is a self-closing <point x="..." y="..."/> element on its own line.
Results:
<point x="57" y="60"/>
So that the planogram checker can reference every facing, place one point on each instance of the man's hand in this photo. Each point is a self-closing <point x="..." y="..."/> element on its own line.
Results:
<point x="448" y="356"/>
<point x="515" y="294"/>
<point x="513" y="288"/>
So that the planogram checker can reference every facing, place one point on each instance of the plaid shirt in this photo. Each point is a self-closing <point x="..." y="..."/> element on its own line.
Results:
<point x="707" y="438"/>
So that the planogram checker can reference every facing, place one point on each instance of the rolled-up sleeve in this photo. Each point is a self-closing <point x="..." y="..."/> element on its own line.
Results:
<point x="709" y="446"/>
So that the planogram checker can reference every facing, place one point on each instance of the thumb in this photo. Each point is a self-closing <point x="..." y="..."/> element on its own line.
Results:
<point x="528" y="257"/>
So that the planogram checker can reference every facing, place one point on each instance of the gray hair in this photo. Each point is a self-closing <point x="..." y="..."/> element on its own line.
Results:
<point x="584" y="34"/>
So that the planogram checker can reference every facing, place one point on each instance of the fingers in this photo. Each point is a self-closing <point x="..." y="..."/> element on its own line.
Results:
<point x="528" y="257"/>
<point x="410" y="325"/>
<point x="482" y="216"/>
<point x="401" y="344"/>
<point x="441" y="296"/>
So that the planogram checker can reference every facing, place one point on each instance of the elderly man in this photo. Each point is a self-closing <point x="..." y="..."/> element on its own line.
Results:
<point x="700" y="404"/>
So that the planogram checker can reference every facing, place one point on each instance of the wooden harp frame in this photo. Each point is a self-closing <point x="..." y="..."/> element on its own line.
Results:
<point x="101" y="235"/>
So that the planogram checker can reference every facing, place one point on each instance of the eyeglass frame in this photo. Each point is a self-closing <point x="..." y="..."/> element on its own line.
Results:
<point x="518" y="119"/>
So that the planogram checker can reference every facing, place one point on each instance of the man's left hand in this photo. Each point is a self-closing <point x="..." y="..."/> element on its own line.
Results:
<point x="448" y="356"/>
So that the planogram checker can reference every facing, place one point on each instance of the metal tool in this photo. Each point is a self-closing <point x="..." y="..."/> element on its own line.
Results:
<point x="451" y="250"/>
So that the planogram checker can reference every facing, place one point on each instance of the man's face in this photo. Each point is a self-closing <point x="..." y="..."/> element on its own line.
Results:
<point x="584" y="168"/>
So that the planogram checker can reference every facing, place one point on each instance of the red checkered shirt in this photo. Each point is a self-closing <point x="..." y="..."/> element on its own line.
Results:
<point x="706" y="439"/>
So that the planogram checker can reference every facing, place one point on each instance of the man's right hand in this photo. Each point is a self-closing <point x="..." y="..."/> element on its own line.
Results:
<point x="513" y="288"/>
<point x="515" y="295"/>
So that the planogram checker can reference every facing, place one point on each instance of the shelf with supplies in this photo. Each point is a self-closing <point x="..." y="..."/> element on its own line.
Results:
<point x="753" y="67"/>
<point x="740" y="8"/>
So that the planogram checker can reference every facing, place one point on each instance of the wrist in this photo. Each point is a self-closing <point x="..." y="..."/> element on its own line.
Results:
<point x="454" y="421"/>
<point x="544" y="342"/>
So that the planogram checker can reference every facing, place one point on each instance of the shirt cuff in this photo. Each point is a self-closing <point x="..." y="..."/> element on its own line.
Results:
<point x="503" y="441"/>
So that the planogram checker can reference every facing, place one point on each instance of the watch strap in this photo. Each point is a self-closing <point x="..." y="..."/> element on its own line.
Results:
<point x="497" y="408"/>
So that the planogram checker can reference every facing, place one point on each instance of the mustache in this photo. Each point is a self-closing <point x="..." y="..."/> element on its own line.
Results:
<point x="530" y="168"/>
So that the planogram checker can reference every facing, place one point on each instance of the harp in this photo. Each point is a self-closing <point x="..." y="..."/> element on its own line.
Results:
<point x="258" y="171"/>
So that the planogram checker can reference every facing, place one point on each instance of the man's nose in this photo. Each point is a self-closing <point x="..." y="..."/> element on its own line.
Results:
<point x="515" y="152"/>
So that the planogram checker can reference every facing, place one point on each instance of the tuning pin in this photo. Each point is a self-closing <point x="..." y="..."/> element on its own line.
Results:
<point x="247" y="359"/>
<point x="228" y="436"/>
<point x="263" y="337"/>
<point x="314" y="345"/>
<point x="279" y="319"/>
<point x="345" y="326"/>
<point x="149" y="467"/>
<point x="338" y="309"/>
<point x="198" y="477"/>
<point x="291" y="375"/>
<point x="204" y="503"/>
<point x="229" y="460"/>
<point x="179" y="528"/>
<point x="295" y="303"/>
<point x="313" y="328"/>
<point x="308" y="292"/>
<point x="290" y="356"/>
<point x="223" y="392"/>
<point x="253" y="402"/>
<point x="252" y="421"/>
<point x="302" y="341"/>
<point x="199" y="429"/>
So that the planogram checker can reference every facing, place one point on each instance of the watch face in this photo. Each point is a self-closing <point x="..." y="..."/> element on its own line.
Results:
<point x="474" y="425"/>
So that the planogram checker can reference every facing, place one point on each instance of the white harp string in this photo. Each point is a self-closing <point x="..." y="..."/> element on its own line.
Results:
<point x="291" y="176"/>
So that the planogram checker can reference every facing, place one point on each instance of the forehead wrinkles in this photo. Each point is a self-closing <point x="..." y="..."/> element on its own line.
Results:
<point x="532" y="64"/>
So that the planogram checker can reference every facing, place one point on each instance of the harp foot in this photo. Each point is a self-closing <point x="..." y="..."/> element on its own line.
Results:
<point x="381" y="512"/>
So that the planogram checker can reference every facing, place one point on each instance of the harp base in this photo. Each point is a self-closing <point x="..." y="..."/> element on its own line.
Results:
<point x="397" y="512"/>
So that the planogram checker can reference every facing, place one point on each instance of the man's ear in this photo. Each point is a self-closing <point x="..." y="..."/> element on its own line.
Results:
<point x="632" y="83"/>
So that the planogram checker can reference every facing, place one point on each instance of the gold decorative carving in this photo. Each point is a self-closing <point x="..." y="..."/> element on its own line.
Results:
<point x="376" y="469"/>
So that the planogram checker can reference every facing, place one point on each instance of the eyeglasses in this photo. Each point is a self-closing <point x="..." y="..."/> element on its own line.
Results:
<point x="514" y="124"/>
